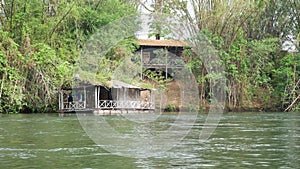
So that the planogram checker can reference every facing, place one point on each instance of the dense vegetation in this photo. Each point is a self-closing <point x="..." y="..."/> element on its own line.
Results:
<point x="40" y="41"/>
<point x="249" y="37"/>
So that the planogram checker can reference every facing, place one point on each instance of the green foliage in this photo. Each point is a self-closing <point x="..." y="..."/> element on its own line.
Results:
<point x="247" y="36"/>
<point x="158" y="78"/>
<point x="261" y="58"/>
<point x="286" y="79"/>
<point x="40" y="42"/>
<point x="250" y="66"/>
<point x="11" y="75"/>
<point x="170" y="108"/>
<point x="117" y="60"/>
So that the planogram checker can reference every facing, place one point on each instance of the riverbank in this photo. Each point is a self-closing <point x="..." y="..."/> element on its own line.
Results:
<point x="173" y="103"/>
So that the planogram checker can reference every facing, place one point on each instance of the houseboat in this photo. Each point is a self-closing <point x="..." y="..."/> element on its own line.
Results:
<point x="116" y="98"/>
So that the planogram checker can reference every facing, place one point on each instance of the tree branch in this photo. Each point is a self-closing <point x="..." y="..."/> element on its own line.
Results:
<point x="292" y="104"/>
<point x="64" y="16"/>
<point x="143" y="5"/>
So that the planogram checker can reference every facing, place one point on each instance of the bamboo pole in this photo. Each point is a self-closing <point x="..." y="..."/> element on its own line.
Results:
<point x="292" y="104"/>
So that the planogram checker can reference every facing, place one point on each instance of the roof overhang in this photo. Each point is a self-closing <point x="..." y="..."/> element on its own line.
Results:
<point x="161" y="43"/>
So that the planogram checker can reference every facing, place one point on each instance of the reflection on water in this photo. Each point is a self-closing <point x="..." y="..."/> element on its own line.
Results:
<point x="242" y="140"/>
<point x="137" y="139"/>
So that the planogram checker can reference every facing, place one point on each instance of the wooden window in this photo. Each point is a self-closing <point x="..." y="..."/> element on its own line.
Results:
<point x="146" y="57"/>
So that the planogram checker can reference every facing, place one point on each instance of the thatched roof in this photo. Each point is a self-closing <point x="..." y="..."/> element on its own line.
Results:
<point x="162" y="43"/>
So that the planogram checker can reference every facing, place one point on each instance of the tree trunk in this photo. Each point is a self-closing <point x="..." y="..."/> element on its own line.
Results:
<point x="158" y="10"/>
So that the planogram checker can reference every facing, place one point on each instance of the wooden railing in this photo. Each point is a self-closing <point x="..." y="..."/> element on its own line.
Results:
<point x="113" y="104"/>
<point x="147" y="105"/>
<point x="109" y="104"/>
<point x="74" y="105"/>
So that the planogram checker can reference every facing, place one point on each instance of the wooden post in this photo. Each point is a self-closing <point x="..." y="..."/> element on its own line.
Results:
<point x="166" y="63"/>
<point x="124" y="93"/>
<point x="62" y="99"/>
<point x="124" y="96"/>
<point x="85" y="99"/>
<point x="142" y="63"/>
<point x="59" y="100"/>
<point x="96" y="92"/>
<point x="118" y="94"/>
<point x="154" y="98"/>
<point x="98" y="97"/>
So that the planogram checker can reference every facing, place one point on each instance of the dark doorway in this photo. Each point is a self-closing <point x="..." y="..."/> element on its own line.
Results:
<point x="104" y="93"/>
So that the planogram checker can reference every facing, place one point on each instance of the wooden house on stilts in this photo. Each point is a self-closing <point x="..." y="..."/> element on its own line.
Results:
<point x="165" y="55"/>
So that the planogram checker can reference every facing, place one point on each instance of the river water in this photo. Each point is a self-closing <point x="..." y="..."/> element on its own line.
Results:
<point x="241" y="140"/>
